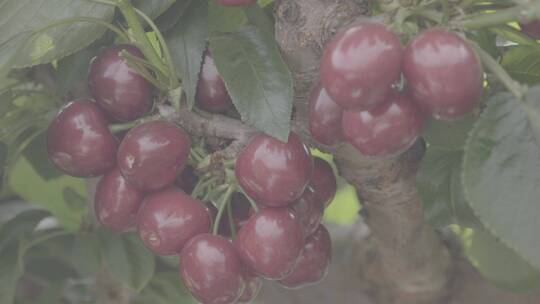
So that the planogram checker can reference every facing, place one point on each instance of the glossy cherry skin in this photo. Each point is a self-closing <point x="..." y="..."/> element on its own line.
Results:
<point x="270" y="243"/>
<point x="324" y="117"/>
<point x="236" y="2"/>
<point x="253" y="286"/>
<point x="444" y="75"/>
<point x="117" y="88"/>
<point x="79" y="141"/>
<point x="360" y="64"/>
<point x="187" y="180"/>
<point x="386" y="130"/>
<point x="169" y="218"/>
<point x="212" y="270"/>
<point x="313" y="264"/>
<point x="532" y="29"/>
<point x="117" y="202"/>
<point x="272" y="172"/>
<point x="323" y="181"/>
<point x="309" y="211"/>
<point x="152" y="154"/>
<point x="211" y="94"/>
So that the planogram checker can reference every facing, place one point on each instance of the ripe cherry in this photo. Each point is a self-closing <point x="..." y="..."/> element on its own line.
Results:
<point x="212" y="270"/>
<point x="388" y="129"/>
<point x="253" y="286"/>
<point x="270" y="243"/>
<point x="187" y="180"/>
<point x="444" y="74"/>
<point x="323" y="181"/>
<point x="117" y="88"/>
<point x="309" y="210"/>
<point x="152" y="154"/>
<point x="313" y="264"/>
<point x="272" y="172"/>
<point x="236" y="2"/>
<point x="169" y="218"/>
<point x="211" y="94"/>
<point x="532" y="29"/>
<point x="360" y="64"/>
<point x="324" y="117"/>
<point x="79" y="142"/>
<point x="117" y="202"/>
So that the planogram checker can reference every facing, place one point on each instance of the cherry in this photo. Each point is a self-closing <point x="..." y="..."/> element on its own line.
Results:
<point x="532" y="29"/>
<point x="309" y="210"/>
<point x="324" y="117"/>
<point x="272" y="172"/>
<point x="152" y="154"/>
<point x="79" y="142"/>
<point x="187" y="180"/>
<point x="270" y="243"/>
<point x="212" y="270"/>
<point x="118" y="89"/>
<point x="323" y="181"/>
<point x="360" y="64"/>
<point x="211" y="94"/>
<point x="313" y="264"/>
<point x="169" y="218"/>
<point x="388" y="129"/>
<point x="236" y="2"/>
<point x="444" y="74"/>
<point x="117" y="202"/>
<point x="253" y="286"/>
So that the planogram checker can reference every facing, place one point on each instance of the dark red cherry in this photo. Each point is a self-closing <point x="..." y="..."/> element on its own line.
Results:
<point x="79" y="142"/>
<point x="117" y="88"/>
<point x="324" y="117"/>
<point x="444" y="75"/>
<point x="211" y="94"/>
<point x="212" y="270"/>
<point x="236" y="2"/>
<point x="169" y="218"/>
<point x="253" y="286"/>
<point x="360" y="64"/>
<point x="532" y="29"/>
<point x="187" y="180"/>
<point x="152" y="154"/>
<point x="270" y="243"/>
<point x="388" y="129"/>
<point x="309" y="210"/>
<point x="117" y="202"/>
<point x="323" y="181"/>
<point x="241" y="211"/>
<point x="272" y="172"/>
<point x="313" y="264"/>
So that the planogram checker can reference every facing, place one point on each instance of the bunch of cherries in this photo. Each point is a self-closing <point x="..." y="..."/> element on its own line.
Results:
<point x="357" y="98"/>
<point x="273" y="229"/>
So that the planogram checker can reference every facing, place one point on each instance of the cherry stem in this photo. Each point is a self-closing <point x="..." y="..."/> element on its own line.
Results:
<point x="516" y="13"/>
<point x="231" y="220"/>
<point x="251" y="202"/>
<point x="224" y="201"/>
<point x="115" y="128"/>
<point x="201" y="185"/>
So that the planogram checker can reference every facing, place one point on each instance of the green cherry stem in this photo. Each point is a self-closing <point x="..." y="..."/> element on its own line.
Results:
<point x="516" y="13"/>
<point x="115" y="128"/>
<point x="223" y="202"/>
<point x="231" y="220"/>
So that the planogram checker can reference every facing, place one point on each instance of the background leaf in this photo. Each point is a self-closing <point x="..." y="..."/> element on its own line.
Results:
<point x="225" y="18"/>
<point x="501" y="174"/>
<point x="523" y="64"/>
<point x="11" y="269"/>
<point x="187" y="42"/>
<point x="449" y="135"/>
<point x="172" y="15"/>
<point x="257" y="79"/>
<point x="127" y="259"/>
<point x="153" y="8"/>
<point x="165" y="288"/>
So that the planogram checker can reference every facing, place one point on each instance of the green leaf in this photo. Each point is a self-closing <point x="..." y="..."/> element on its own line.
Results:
<point x="127" y="259"/>
<point x="439" y="186"/>
<point x="499" y="264"/>
<point x="449" y="135"/>
<point x="187" y="41"/>
<point x="153" y="8"/>
<point x="49" y="194"/>
<point x="11" y="269"/>
<point x="165" y="288"/>
<point x="501" y="173"/>
<point x="36" y="154"/>
<point x="20" y="19"/>
<point x="487" y="41"/>
<point x="257" y="79"/>
<point x="523" y="64"/>
<point x="225" y="18"/>
<point x="74" y="68"/>
<point x="171" y="16"/>
<point x="84" y="254"/>
<point x="514" y="35"/>
<point x="20" y="227"/>
<point x="258" y="17"/>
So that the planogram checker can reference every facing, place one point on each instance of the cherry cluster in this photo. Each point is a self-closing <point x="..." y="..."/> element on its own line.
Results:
<point x="279" y="191"/>
<point x="358" y="99"/>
